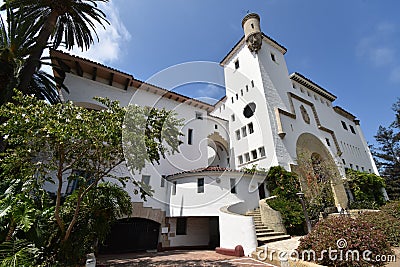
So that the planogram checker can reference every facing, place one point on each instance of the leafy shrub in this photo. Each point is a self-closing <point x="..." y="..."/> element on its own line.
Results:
<point x="282" y="183"/>
<point x="345" y="235"/>
<point x="285" y="185"/>
<point x="366" y="186"/>
<point x="385" y="222"/>
<point x="292" y="214"/>
<point x="392" y="208"/>
<point x="363" y="204"/>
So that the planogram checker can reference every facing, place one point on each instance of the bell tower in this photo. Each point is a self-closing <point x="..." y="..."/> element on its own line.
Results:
<point x="252" y="32"/>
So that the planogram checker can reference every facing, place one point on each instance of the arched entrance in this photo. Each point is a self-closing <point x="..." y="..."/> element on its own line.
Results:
<point x="132" y="234"/>
<point x="218" y="154"/>
<point x="315" y="165"/>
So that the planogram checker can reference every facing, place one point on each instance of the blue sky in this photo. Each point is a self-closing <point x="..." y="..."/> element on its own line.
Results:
<point x="351" y="48"/>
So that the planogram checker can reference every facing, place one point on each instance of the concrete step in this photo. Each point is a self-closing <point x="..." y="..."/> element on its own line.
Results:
<point x="267" y="239"/>
<point x="270" y="233"/>
<point x="263" y="229"/>
<point x="252" y="213"/>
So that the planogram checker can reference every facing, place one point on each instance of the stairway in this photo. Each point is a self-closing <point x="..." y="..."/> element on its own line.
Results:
<point x="263" y="233"/>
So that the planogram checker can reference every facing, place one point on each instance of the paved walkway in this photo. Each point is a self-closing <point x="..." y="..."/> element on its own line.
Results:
<point x="178" y="258"/>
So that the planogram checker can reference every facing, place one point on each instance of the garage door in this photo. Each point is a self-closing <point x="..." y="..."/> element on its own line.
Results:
<point x="132" y="234"/>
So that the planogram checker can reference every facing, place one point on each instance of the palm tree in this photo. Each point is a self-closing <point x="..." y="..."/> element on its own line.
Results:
<point x="16" y="43"/>
<point x="63" y="21"/>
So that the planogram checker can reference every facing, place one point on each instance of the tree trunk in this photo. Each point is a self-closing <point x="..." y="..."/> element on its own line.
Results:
<point x="10" y="231"/>
<point x="33" y="61"/>
<point x="59" y="188"/>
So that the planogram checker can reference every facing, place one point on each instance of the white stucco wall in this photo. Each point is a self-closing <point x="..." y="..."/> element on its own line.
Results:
<point x="235" y="229"/>
<point x="197" y="232"/>
<point x="188" y="202"/>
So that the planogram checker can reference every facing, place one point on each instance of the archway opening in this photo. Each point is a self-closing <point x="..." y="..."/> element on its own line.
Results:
<point x="132" y="234"/>
<point x="319" y="176"/>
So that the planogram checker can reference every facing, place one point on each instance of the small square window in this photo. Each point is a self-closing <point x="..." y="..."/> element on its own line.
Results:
<point x="273" y="57"/>
<point x="251" y="129"/>
<point x="244" y="132"/>
<point x="163" y="177"/>
<point x="233" y="117"/>
<point x="261" y="151"/>
<point x="352" y="129"/>
<point x="240" y="159"/>
<point x="174" y="188"/>
<point x="254" y="154"/>
<point x="237" y="64"/>
<point x="190" y="136"/>
<point x="181" y="226"/>
<point x="247" y="157"/>
<point x="328" y="142"/>
<point x="233" y="185"/>
<point x="344" y="125"/>
<point x="199" y="115"/>
<point x="237" y="135"/>
<point x="200" y="185"/>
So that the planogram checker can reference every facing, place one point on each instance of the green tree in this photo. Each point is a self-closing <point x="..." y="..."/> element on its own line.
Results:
<point x="387" y="153"/>
<point x="285" y="185"/>
<point x="16" y="43"/>
<point x="71" y="22"/>
<point x="47" y="142"/>
<point x="366" y="187"/>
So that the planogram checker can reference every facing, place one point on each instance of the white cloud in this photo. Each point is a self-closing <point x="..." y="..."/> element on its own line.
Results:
<point x="211" y="91"/>
<point x="376" y="47"/>
<point x="379" y="49"/>
<point x="382" y="56"/>
<point x="395" y="75"/>
<point x="109" y="48"/>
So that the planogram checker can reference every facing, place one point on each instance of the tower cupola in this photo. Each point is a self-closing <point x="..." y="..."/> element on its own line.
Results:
<point x="252" y="31"/>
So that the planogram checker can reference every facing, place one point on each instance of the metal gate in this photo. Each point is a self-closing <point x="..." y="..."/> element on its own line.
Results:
<point x="132" y="234"/>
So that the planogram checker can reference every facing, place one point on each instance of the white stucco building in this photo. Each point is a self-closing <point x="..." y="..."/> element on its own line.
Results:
<point x="267" y="118"/>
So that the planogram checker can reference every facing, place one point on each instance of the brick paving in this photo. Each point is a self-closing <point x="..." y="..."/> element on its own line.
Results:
<point x="177" y="258"/>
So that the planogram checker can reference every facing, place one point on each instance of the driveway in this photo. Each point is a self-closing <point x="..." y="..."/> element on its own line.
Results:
<point x="177" y="258"/>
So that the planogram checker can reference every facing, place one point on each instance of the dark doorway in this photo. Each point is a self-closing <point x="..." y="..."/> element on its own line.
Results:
<point x="132" y="234"/>
<point x="214" y="232"/>
<point x="261" y="190"/>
